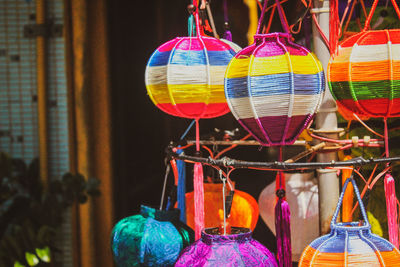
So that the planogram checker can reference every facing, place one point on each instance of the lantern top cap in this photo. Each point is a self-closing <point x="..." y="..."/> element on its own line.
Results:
<point x="159" y="215"/>
<point x="238" y="234"/>
<point x="273" y="34"/>
<point x="350" y="227"/>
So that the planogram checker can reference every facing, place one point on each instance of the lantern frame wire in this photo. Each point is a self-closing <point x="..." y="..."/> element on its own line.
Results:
<point x="276" y="165"/>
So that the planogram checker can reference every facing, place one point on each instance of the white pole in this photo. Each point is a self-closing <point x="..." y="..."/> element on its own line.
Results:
<point x="326" y="124"/>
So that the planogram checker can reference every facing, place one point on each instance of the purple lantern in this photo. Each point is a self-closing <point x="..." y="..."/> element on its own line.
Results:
<point x="237" y="249"/>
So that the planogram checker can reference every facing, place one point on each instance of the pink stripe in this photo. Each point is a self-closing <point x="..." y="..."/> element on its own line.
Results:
<point x="194" y="44"/>
<point x="246" y="52"/>
<point x="194" y="110"/>
<point x="168" y="46"/>
<point x="268" y="46"/>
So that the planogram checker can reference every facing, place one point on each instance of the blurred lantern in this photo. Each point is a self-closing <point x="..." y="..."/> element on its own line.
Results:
<point x="243" y="213"/>
<point x="236" y="249"/>
<point x="348" y="114"/>
<point x="350" y="244"/>
<point x="364" y="74"/>
<point x="302" y="196"/>
<point x="364" y="77"/>
<point x="151" y="238"/>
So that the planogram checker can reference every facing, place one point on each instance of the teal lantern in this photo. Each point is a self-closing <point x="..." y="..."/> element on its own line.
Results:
<point x="151" y="238"/>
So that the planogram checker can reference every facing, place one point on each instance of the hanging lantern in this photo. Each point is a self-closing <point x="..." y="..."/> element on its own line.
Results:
<point x="236" y="249"/>
<point x="364" y="73"/>
<point x="185" y="77"/>
<point x="274" y="87"/>
<point x="350" y="244"/>
<point x="244" y="211"/>
<point x="302" y="196"/>
<point x="364" y="76"/>
<point x="151" y="238"/>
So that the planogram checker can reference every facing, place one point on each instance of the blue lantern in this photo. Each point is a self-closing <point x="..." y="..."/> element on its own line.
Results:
<point x="151" y="238"/>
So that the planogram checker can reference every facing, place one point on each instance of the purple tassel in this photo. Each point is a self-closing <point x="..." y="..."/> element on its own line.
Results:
<point x="282" y="227"/>
<point x="228" y="35"/>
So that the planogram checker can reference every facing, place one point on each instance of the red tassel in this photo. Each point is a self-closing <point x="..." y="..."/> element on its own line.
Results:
<point x="334" y="26"/>
<point x="282" y="227"/>
<point x="391" y="210"/>
<point x="198" y="200"/>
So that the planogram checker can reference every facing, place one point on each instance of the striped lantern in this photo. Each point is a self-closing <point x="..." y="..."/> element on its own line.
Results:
<point x="364" y="76"/>
<point x="274" y="87"/>
<point x="185" y="77"/>
<point x="349" y="244"/>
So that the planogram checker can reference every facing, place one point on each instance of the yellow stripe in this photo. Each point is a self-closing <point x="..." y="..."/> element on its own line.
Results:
<point x="308" y="64"/>
<point x="186" y="93"/>
<point x="238" y="68"/>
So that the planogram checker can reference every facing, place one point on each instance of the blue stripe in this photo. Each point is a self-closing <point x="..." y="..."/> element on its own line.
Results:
<point x="159" y="59"/>
<point x="275" y="84"/>
<point x="355" y="246"/>
<point x="191" y="58"/>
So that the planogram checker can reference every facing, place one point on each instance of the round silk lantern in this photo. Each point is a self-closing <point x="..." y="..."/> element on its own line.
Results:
<point x="364" y="74"/>
<point x="244" y="210"/>
<point x="350" y="244"/>
<point x="151" y="238"/>
<point x="302" y="196"/>
<point x="237" y="249"/>
<point x="274" y="87"/>
<point x="185" y="77"/>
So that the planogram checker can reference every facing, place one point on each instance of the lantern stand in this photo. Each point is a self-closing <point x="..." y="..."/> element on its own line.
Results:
<point x="276" y="165"/>
<point x="326" y="121"/>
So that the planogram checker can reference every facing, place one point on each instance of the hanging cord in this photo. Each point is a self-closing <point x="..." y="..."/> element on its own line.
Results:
<point x="223" y="179"/>
<point x="211" y="18"/>
<point x="366" y="126"/>
<point x="165" y="185"/>
<point x="227" y="33"/>
<point x="386" y="137"/>
<point x="323" y="36"/>
<point x="371" y="13"/>
<point x="334" y="26"/>
<point x="299" y="21"/>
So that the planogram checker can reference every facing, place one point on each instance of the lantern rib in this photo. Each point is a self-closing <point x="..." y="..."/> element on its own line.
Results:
<point x="372" y="245"/>
<point x="351" y="87"/>
<point x="346" y="247"/>
<point x="171" y="96"/>
<point x="253" y="109"/>
<point x="391" y="93"/>
<point x="291" y="97"/>
<point x="321" y="82"/>
<point x="317" y="251"/>
<point x="208" y="77"/>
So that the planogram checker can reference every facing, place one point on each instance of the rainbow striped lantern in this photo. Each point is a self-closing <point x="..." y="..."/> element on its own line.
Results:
<point x="364" y="73"/>
<point x="364" y="76"/>
<point x="349" y="244"/>
<point x="274" y="87"/>
<point x="185" y="77"/>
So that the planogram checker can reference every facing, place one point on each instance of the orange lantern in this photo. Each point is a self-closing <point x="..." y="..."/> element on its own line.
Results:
<point x="244" y="211"/>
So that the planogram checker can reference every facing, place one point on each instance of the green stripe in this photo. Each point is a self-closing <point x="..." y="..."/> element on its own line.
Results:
<point x="365" y="90"/>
